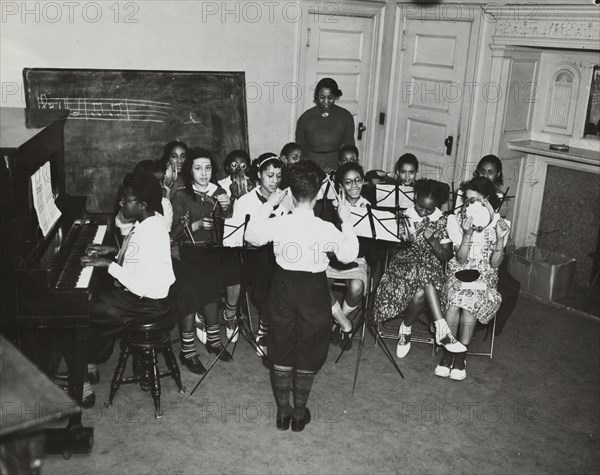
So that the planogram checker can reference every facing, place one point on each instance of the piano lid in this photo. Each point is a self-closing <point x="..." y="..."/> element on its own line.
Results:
<point x="18" y="125"/>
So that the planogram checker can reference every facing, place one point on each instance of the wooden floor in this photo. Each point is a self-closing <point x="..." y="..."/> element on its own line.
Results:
<point x="533" y="408"/>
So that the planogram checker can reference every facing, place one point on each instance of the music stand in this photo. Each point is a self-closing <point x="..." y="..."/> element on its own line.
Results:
<point x="234" y="237"/>
<point x="373" y="227"/>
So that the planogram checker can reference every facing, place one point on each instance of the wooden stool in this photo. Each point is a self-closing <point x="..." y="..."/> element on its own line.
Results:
<point x="145" y="341"/>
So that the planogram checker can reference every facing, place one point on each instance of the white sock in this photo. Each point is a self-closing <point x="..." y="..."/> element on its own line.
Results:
<point x="404" y="329"/>
<point x="347" y="309"/>
<point x="441" y="326"/>
<point x="91" y="367"/>
<point x="335" y="308"/>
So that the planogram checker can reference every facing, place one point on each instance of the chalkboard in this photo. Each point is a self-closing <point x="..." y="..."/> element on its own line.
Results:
<point x="119" y="117"/>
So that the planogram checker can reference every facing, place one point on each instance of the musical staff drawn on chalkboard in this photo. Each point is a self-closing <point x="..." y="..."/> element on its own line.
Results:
<point x="133" y="110"/>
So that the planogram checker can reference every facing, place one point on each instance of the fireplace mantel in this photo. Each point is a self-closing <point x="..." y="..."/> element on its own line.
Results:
<point x="547" y="26"/>
<point x="534" y="147"/>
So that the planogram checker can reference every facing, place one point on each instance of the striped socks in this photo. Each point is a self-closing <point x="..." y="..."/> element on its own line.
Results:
<point x="213" y="334"/>
<point x="187" y="344"/>
<point x="229" y="312"/>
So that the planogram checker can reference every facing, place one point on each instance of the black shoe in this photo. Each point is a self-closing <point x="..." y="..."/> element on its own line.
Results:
<point x="299" y="423"/>
<point x="217" y="348"/>
<point x="283" y="422"/>
<point x="346" y="339"/>
<point x="192" y="363"/>
<point x="94" y="376"/>
<point x="88" y="401"/>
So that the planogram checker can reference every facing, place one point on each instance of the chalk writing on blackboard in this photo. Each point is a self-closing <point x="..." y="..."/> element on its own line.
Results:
<point x="85" y="108"/>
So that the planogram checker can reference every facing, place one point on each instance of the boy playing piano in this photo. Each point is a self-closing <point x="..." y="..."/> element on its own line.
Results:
<point x="142" y="270"/>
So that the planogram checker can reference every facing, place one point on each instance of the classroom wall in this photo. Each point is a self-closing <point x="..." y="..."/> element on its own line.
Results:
<point x="257" y="37"/>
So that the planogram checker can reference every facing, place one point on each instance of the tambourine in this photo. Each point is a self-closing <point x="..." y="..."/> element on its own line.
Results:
<point x="406" y="229"/>
<point x="170" y="175"/>
<point x="481" y="213"/>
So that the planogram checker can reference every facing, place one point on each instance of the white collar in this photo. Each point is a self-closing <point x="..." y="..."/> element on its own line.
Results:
<point x="415" y="218"/>
<point x="361" y="203"/>
<point x="210" y="189"/>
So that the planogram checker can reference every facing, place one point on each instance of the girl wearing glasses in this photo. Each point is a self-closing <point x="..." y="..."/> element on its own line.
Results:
<point x="268" y="170"/>
<point x="350" y="177"/>
<point x="237" y="167"/>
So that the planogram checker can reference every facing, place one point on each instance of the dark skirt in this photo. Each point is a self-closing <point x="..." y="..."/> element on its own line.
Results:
<point x="299" y="313"/>
<point x="222" y="264"/>
<point x="258" y="270"/>
<point x="193" y="288"/>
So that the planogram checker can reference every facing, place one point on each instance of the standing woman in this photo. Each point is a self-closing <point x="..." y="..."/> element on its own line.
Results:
<point x="324" y="128"/>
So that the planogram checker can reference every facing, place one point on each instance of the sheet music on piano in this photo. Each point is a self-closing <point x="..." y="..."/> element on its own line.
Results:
<point x="43" y="199"/>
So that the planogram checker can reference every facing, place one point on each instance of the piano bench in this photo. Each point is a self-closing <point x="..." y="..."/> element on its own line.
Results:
<point x="144" y="341"/>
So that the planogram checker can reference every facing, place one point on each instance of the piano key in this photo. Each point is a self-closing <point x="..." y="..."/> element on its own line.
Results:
<point x="86" y="272"/>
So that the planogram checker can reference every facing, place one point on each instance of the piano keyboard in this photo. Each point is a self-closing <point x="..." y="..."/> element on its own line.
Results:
<point x="74" y="275"/>
<point x="86" y="272"/>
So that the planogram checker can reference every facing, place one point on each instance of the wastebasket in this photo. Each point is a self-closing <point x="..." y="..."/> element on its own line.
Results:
<point x="543" y="273"/>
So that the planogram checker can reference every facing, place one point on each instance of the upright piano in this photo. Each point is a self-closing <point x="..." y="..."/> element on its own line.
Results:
<point x="46" y="294"/>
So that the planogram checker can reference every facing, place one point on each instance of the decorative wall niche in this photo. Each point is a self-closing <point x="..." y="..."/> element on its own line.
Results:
<point x="562" y="91"/>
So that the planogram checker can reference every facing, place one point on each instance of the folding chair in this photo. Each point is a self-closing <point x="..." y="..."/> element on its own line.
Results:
<point x="421" y="328"/>
<point x="477" y="338"/>
<point x="421" y="331"/>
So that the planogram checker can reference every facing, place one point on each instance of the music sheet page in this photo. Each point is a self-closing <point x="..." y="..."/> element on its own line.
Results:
<point x="43" y="200"/>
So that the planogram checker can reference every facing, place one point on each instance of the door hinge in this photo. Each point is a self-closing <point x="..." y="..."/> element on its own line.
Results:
<point x="308" y="30"/>
<point x="403" y="41"/>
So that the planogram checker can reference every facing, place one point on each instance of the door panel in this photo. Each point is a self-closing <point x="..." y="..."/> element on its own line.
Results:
<point x="341" y="47"/>
<point x="429" y="93"/>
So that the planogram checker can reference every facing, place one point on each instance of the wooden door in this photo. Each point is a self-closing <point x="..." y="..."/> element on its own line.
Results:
<point x="429" y="94"/>
<point x="341" y="47"/>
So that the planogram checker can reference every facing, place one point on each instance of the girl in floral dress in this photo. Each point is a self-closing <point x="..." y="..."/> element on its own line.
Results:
<point x="473" y="298"/>
<point x="415" y="275"/>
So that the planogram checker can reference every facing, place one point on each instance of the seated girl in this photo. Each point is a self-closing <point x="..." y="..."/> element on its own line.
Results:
<point x="237" y="167"/>
<point x="174" y="154"/>
<point x="199" y="208"/>
<point x="291" y="153"/>
<point x="350" y="177"/>
<point x="259" y="270"/>
<point x="489" y="167"/>
<point x="405" y="170"/>
<point x="416" y="275"/>
<point x="470" y="293"/>
<point x="348" y="153"/>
